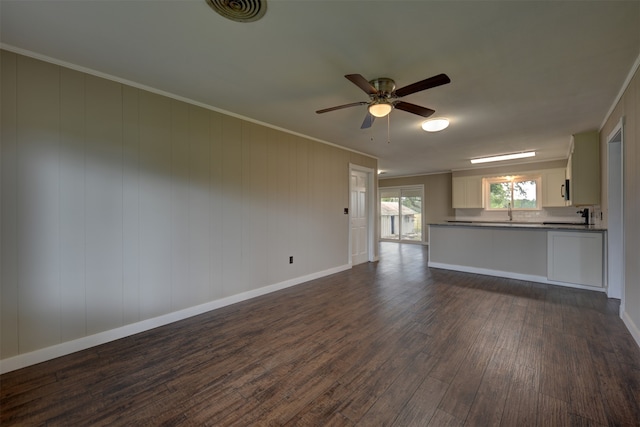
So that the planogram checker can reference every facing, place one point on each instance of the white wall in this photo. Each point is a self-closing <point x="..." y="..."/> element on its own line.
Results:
<point x="120" y="205"/>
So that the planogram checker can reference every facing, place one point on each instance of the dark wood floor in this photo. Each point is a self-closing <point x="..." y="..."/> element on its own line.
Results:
<point x="388" y="343"/>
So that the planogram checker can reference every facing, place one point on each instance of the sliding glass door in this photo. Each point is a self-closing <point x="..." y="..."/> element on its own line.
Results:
<point x="401" y="214"/>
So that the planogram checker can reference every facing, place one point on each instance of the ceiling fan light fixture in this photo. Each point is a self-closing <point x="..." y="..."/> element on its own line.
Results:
<point x="380" y="109"/>
<point x="435" y="125"/>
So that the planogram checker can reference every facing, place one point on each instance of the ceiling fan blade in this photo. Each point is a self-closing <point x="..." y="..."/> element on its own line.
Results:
<point x="413" y="108"/>
<point x="340" y="107"/>
<point x="440" y="79"/>
<point x="368" y="121"/>
<point x="362" y="83"/>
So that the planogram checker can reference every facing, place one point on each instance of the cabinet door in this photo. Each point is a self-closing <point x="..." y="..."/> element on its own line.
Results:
<point x="575" y="257"/>
<point x="474" y="192"/>
<point x="553" y="188"/>
<point x="584" y="169"/>
<point x="459" y="191"/>
<point x="467" y="192"/>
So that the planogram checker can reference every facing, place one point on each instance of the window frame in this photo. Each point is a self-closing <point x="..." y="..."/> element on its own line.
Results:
<point x="511" y="179"/>
<point x="409" y="188"/>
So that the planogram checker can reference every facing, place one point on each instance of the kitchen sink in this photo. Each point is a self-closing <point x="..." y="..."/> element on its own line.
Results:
<point x="563" y="223"/>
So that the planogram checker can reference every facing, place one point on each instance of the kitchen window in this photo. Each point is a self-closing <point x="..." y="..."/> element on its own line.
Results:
<point x="513" y="192"/>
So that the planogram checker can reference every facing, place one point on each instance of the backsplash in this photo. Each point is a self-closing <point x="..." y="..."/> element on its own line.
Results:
<point x="568" y="214"/>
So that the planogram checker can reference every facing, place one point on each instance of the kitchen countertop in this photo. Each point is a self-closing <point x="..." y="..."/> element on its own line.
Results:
<point x="569" y="226"/>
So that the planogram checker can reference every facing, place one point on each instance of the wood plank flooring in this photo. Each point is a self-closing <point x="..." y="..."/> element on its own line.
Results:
<point x="390" y="343"/>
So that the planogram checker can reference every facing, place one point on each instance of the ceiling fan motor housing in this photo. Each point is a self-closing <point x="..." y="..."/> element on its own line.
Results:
<point x="384" y="85"/>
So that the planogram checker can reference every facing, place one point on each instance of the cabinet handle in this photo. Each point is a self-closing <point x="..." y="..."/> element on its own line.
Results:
<point x="562" y="190"/>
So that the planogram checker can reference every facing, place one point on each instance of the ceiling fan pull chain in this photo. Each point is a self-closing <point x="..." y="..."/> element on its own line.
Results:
<point x="388" y="128"/>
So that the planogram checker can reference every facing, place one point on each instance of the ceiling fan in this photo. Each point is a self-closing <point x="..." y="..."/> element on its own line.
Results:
<point x="384" y="96"/>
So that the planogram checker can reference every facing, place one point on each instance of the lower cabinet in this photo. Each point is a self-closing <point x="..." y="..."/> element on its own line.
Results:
<point x="575" y="257"/>
<point x="538" y="254"/>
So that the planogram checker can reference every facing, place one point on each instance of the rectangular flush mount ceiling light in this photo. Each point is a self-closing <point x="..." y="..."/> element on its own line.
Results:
<point x="504" y="157"/>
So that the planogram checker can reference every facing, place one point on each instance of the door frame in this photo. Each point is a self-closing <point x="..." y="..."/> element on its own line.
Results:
<point x="423" y="240"/>
<point x="615" y="187"/>
<point x="370" y="205"/>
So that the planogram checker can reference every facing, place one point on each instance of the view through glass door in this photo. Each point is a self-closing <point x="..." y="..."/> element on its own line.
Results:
<point x="401" y="214"/>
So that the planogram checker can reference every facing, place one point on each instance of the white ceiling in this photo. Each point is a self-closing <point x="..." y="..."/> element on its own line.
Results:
<point x="525" y="74"/>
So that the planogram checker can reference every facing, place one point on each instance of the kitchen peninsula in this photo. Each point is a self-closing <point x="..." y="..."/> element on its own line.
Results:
<point x="560" y="254"/>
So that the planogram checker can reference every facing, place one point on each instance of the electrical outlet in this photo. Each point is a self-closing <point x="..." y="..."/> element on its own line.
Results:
<point x="290" y="260"/>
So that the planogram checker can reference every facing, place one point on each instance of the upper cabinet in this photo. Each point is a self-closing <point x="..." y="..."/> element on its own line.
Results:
<point x="583" y="169"/>
<point x="467" y="192"/>
<point x="553" y="188"/>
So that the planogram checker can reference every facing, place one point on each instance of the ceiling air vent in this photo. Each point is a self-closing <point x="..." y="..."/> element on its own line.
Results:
<point x="239" y="10"/>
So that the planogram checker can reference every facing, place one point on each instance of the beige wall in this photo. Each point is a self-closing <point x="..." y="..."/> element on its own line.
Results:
<point x="437" y="194"/>
<point x="629" y="108"/>
<point x="120" y="205"/>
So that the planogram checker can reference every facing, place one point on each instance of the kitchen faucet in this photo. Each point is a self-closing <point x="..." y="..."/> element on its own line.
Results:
<point x="585" y="214"/>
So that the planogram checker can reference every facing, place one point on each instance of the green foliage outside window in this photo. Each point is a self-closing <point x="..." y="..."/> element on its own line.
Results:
<point x="500" y="193"/>
<point x="518" y="194"/>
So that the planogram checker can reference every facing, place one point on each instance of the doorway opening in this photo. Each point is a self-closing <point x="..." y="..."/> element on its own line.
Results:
<point x="615" y="215"/>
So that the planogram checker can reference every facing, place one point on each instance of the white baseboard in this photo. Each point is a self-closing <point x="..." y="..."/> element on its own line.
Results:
<point x="510" y="275"/>
<point x="632" y="327"/>
<point x="62" y="349"/>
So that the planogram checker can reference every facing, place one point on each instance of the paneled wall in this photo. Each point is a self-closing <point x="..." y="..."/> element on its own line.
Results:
<point x="119" y="205"/>
<point x="629" y="108"/>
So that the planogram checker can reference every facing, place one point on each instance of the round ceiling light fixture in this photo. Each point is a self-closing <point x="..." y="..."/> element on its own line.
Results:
<point x="435" y="125"/>
<point x="380" y="109"/>
<point x="239" y="10"/>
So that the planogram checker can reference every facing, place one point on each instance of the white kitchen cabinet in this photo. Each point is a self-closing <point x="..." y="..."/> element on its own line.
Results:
<point x="467" y="192"/>
<point x="583" y="169"/>
<point x="575" y="257"/>
<point x="553" y="188"/>
<point x="458" y="192"/>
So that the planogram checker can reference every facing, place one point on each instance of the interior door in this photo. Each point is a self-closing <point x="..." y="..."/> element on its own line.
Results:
<point x="359" y="218"/>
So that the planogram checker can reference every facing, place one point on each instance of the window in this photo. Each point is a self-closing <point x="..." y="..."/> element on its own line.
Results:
<point x="520" y="192"/>
<point x="401" y="213"/>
